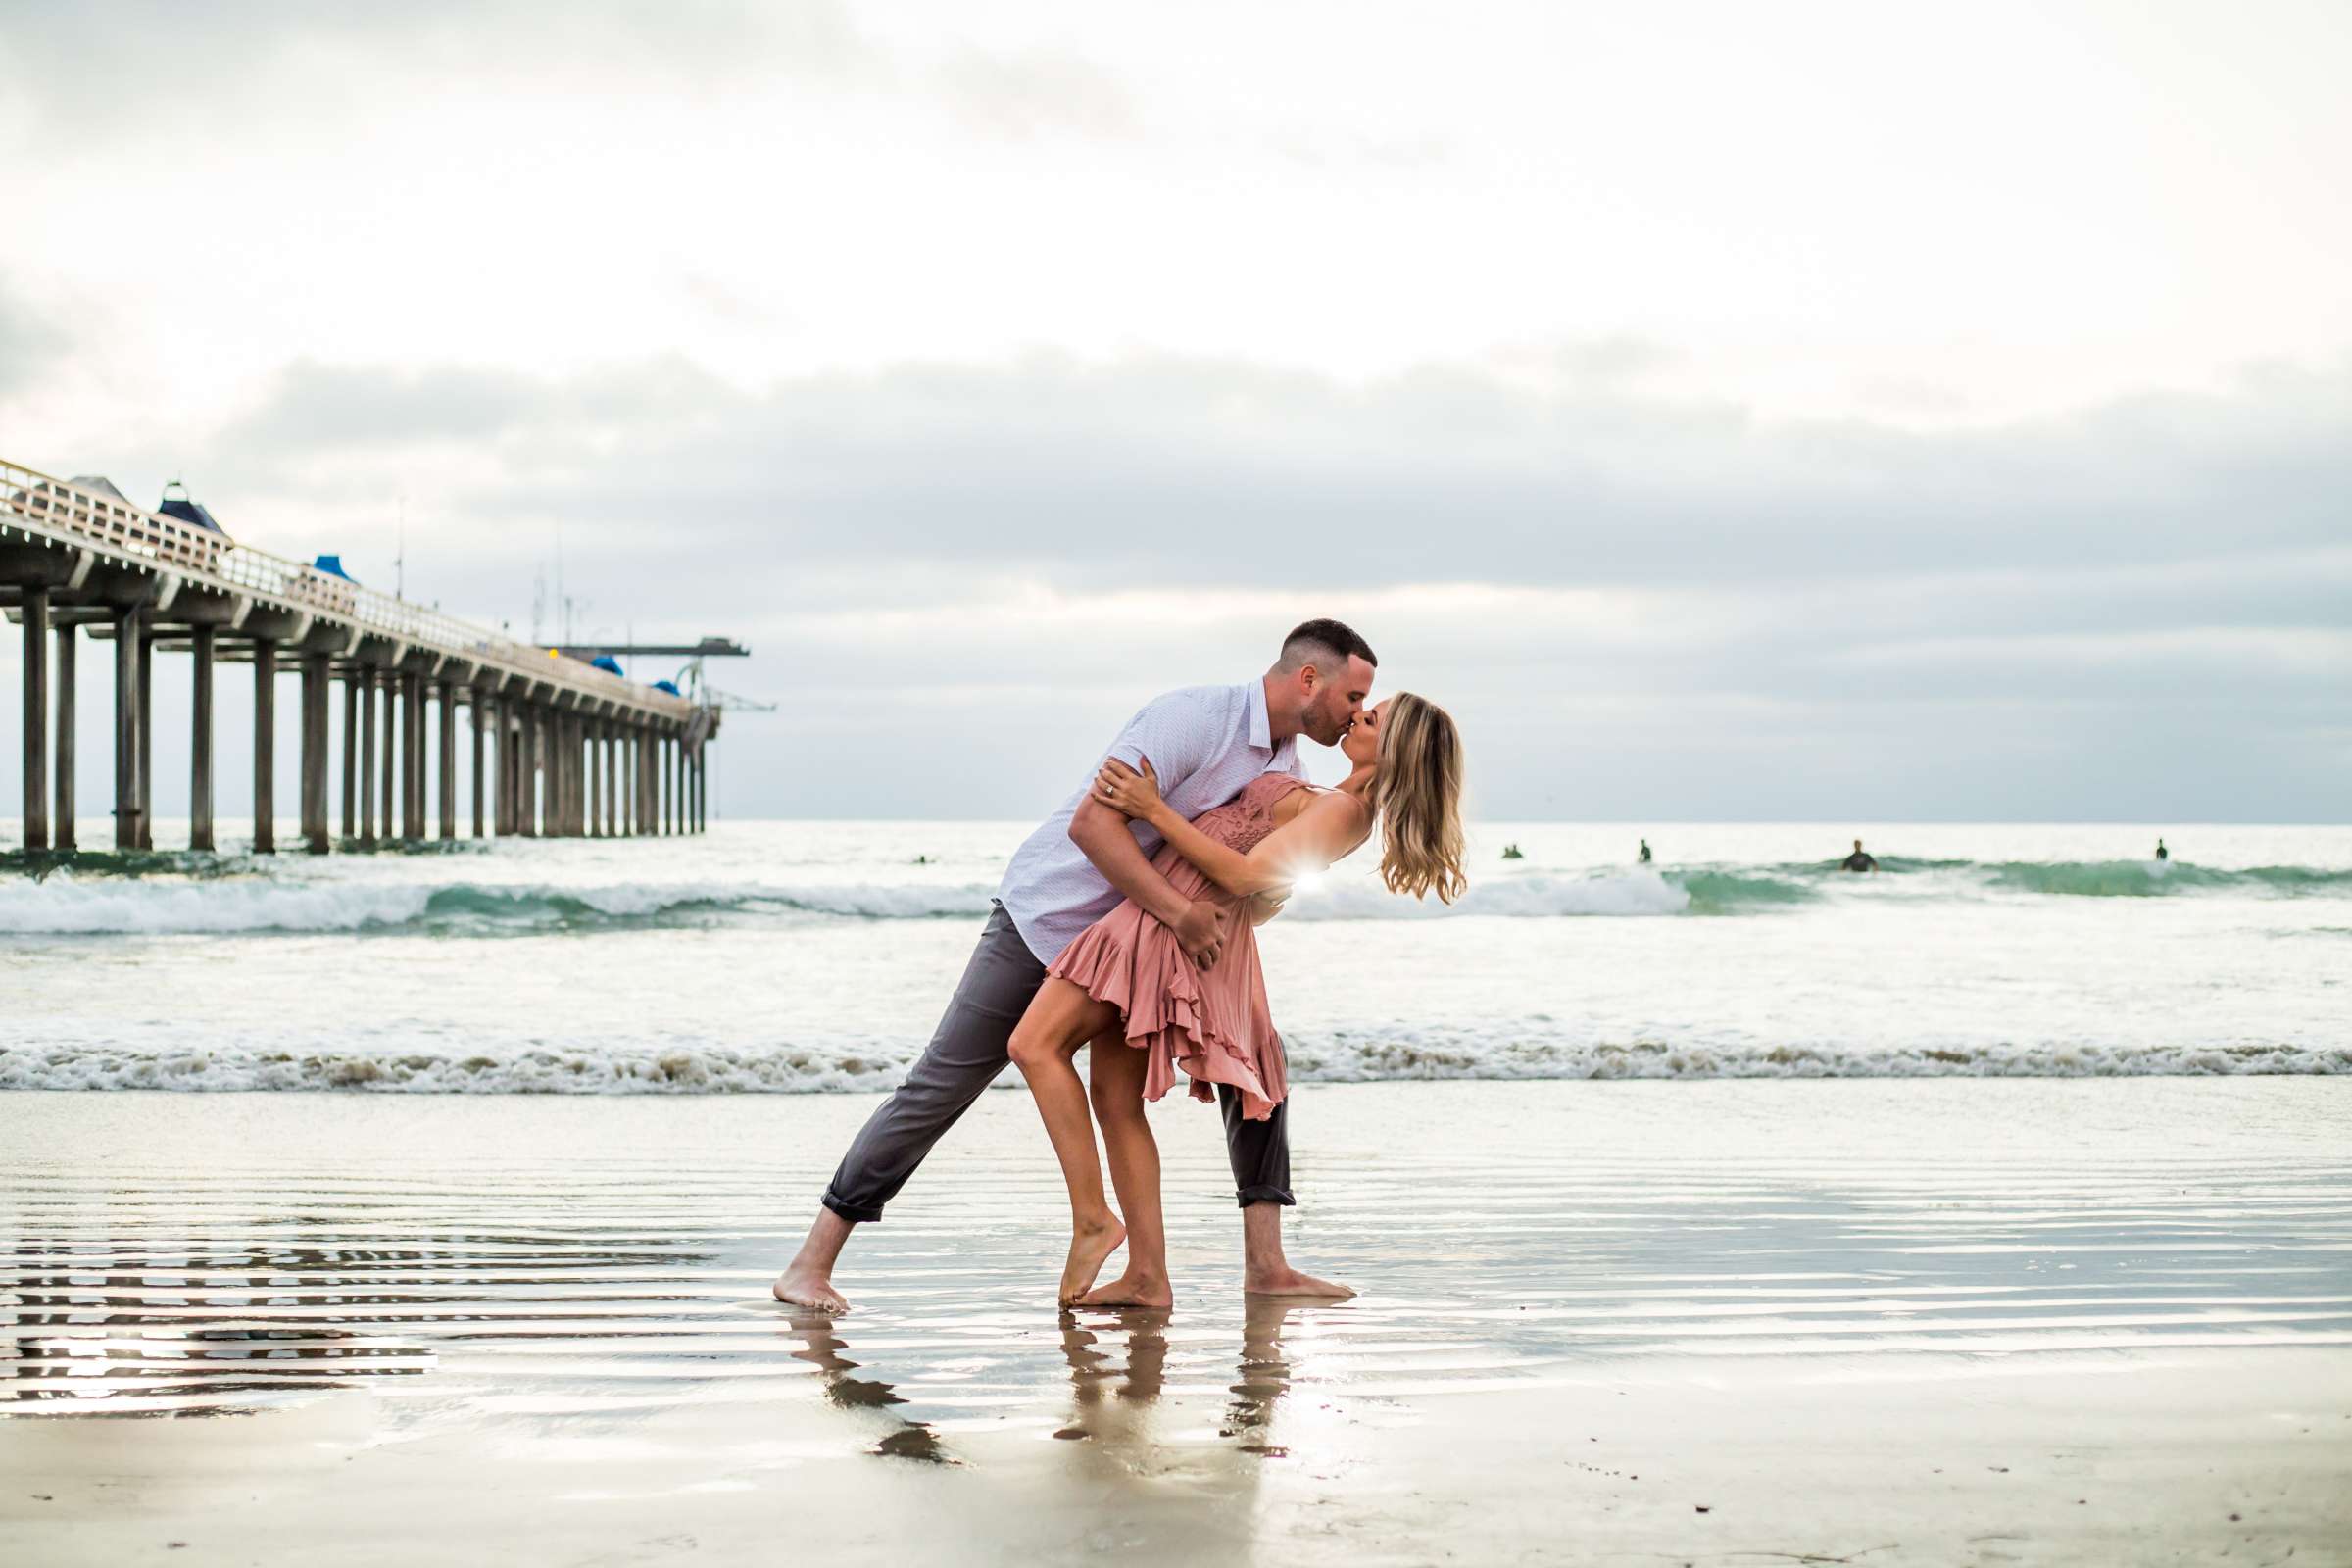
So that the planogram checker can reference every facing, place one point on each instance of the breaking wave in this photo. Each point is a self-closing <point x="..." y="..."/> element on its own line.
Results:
<point x="589" y="1067"/>
<point x="2148" y="879"/>
<point x="65" y="905"/>
<point x="180" y="895"/>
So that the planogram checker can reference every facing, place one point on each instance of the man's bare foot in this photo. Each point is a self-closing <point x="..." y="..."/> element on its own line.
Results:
<point x="1288" y="1281"/>
<point x="1131" y="1289"/>
<point x="1091" y="1246"/>
<point x="805" y="1287"/>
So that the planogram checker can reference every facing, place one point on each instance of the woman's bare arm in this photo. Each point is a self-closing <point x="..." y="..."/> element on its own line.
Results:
<point x="1330" y="825"/>
<point x="1226" y="866"/>
<point x="1327" y="831"/>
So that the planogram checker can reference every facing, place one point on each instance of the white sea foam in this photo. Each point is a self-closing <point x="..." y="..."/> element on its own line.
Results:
<point x="294" y="896"/>
<point x="699" y="1067"/>
<point x="1525" y="895"/>
<point x="64" y="905"/>
<point x="815" y="957"/>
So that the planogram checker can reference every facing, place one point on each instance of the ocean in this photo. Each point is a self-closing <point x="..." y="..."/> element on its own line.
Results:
<point x="815" y="957"/>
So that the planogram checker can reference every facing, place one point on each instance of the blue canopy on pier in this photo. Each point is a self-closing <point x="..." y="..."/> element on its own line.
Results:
<point x="608" y="663"/>
<point x="187" y="511"/>
<point x="667" y="686"/>
<point x="333" y="565"/>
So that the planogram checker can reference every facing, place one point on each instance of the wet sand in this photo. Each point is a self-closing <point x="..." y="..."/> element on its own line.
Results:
<point x="1934" y="1321"/>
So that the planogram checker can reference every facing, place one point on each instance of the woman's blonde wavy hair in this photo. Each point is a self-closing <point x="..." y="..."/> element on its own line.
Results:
<point x="1418" y="796"/>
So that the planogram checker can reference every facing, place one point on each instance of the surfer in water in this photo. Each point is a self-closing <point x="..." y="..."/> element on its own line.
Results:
<point x="2162" y="854"/>
<point x="1646" y="852"/>
<point x="1859" y="862"/>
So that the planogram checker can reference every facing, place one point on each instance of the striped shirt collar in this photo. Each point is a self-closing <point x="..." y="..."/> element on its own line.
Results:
<point x="1261" y="723"/>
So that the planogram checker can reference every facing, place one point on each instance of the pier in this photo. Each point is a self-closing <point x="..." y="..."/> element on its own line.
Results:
<point x="560" y="748"/>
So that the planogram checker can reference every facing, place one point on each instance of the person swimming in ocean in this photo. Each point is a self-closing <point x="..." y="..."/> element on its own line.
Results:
<point x="1645" y="851"/>
<point x="2162" y="854"/>
<point x="1859" y="862"/>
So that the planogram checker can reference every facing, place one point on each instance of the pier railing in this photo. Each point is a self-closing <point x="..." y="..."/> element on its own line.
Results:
<point x="71" y="514"/>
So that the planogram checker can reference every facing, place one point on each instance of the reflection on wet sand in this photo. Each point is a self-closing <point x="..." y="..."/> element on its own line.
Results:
<point x="147" y="1325"/>
<point x="908" y="1438"/>
<point x="1118" y="1369"/>
<point x="1110" y="1395"/>
<point x="1264" y="1377"/>
<point x="461" y="1264"/>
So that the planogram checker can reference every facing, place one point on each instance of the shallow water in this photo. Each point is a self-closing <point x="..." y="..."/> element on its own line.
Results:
<point x="533" y="1261"/>
<point x="803" y="955"/>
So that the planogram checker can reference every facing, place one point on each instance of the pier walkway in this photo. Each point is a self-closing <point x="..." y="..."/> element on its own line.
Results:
<point x="560" y="748"/>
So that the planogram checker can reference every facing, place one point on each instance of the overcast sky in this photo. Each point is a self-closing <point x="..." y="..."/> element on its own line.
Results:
<point x="1835" y="411"/>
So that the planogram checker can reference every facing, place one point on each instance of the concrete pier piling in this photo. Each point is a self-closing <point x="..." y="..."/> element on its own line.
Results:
<point x="474" y="713"/>
<point x="387" y="759"/>
<point x="412" y="756"/>
<point x="649" y="790"/>
<point x="501" y="765"/>
<point x="449" y="759"/>
<point x="202" y="643"/>
<point x="62" y="830"/>
<point x="612" y="777"/>
<point x="316" y="672"/>
<point x="264" y="746"/>
<point x="363" y="680"/>
<point x="596" y="783"/>
<point x="36" y="718"/>
<point x="503" y="807"/>
<point x="533" y="751"/>
<point x="350" y="731"/>
<point x="557" y="817"/>
<point x="126" y="730"/>
<point x="560" y="748"/>
<point x="146" y="654"/>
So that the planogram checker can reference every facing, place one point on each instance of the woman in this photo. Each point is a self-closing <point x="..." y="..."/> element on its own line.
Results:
<point x="1127" y="984"/>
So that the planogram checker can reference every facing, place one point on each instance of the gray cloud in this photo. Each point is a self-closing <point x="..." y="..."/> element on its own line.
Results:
<point x="1685" y="610"/>
<point x="1690" y="612"/>
<point x="1088" y="473"/>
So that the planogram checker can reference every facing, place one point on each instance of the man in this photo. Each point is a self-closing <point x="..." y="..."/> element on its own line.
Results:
<point x="1858" y="862"/>
<point x="1205" y="743"/>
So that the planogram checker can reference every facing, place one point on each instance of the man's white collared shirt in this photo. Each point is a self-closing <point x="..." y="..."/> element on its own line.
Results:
<point x="1205" y="743"/>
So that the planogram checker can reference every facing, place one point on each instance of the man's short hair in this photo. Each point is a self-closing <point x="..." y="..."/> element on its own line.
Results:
<point x="1327" y="644"/>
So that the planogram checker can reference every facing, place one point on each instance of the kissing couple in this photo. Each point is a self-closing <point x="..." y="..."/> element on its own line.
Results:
<point x="1127" y="921"/>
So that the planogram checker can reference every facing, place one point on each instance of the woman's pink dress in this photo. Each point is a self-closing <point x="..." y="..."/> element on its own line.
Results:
<point x="1214" y="1022"/>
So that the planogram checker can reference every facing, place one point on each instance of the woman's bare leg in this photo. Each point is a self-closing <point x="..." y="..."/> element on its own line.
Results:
<point x="1061" y="1018"/>
<point x="1114" y="1071"/>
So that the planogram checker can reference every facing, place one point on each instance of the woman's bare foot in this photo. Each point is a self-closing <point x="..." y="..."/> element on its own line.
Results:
<point x="1091" y="1246"/>
<point x="1131" y="1289"/>
<point x="805" y="1287"/>
<point x="1288" y="1281"/>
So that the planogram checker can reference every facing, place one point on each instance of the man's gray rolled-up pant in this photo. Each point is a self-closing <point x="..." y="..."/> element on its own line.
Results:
<point x="970" y="1046"/>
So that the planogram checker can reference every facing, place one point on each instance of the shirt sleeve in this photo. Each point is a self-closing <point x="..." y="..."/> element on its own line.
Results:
<point x="1175" y="732"/>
